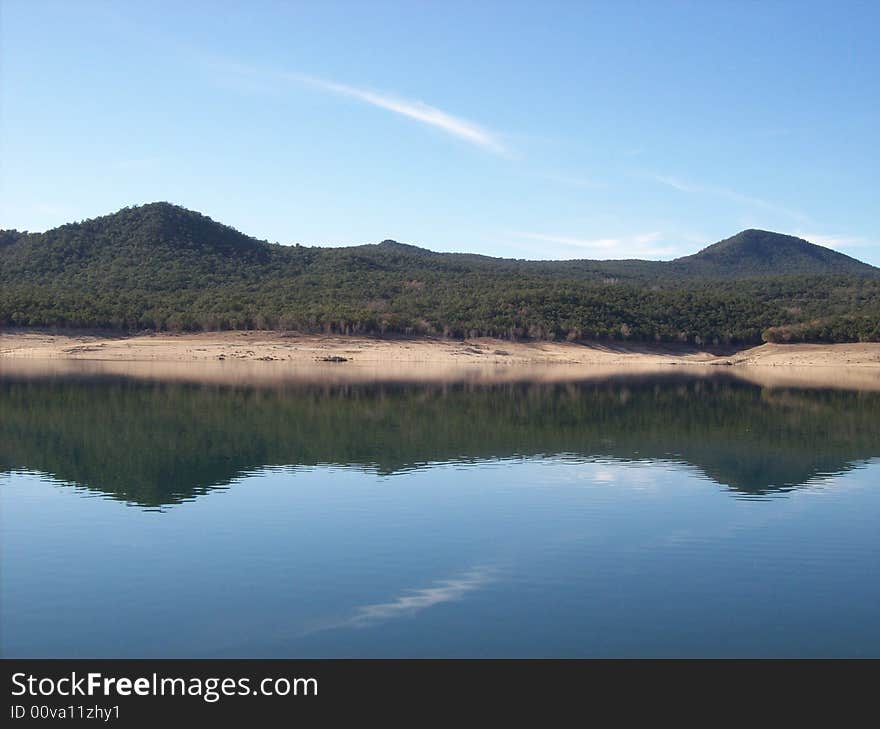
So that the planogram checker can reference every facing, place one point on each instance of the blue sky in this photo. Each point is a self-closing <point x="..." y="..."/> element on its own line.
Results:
<point x="528" y="130"/>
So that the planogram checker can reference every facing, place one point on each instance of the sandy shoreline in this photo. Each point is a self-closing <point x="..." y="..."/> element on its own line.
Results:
<point x="253" y="346"/>
<point x="273" y="358"/>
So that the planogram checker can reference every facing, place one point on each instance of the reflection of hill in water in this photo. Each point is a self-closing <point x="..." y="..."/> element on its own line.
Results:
<point x="154" y="443"/>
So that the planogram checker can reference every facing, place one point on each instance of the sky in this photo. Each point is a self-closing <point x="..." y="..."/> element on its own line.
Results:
<point x="525" y="130"/>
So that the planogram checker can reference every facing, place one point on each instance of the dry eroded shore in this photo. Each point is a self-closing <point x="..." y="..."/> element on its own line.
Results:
<point x="271" y="358"/>
<point x="311" y="348"/>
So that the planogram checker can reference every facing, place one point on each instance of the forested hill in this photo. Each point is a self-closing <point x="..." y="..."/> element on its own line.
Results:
<point x="160" y="266"/>
<point x="762" y="253"/>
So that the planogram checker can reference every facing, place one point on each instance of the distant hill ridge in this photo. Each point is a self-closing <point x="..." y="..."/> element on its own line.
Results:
<point x="762" y="251"/>
<point x="161" y="266"/>
<point x="750" y="252"/>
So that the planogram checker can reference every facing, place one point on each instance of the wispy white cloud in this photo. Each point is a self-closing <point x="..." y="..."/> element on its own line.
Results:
<point x="839" y="241"/>
<point x="640" y="245"/>
<point x="732" y="195"/>
<point x="418" y="110"/>
<point x="676" y="183"/>
<point x="566" y="240"/>
<point x="257" y="79"/>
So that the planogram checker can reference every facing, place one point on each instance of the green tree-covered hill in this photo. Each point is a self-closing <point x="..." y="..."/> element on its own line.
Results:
<point x="762" y="253"/>
<point x="162" y="267"/>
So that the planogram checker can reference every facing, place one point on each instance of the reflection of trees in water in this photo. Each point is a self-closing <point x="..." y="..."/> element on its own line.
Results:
<point x="156" y="443"/>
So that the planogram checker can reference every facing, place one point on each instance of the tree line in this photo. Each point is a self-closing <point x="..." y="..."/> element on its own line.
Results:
<point x="163" y="268"/>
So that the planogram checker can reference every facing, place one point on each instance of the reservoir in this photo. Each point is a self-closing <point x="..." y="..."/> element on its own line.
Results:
<point x="664" y="515"/>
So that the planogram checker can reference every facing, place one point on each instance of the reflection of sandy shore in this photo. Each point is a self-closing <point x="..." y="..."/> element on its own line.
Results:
<point x="271" y="374"/>
<point x="269" y="358"/>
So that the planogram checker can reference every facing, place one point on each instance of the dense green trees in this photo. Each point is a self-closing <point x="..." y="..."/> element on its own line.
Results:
<point x="163" y="267"/>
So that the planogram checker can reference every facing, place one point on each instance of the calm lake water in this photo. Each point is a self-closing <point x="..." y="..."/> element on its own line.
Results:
<point x="665" y="516"/>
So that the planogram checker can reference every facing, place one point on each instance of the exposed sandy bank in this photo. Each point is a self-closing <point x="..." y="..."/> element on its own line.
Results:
<point x="311" y="348"/>
<point x="273" y="358"/>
